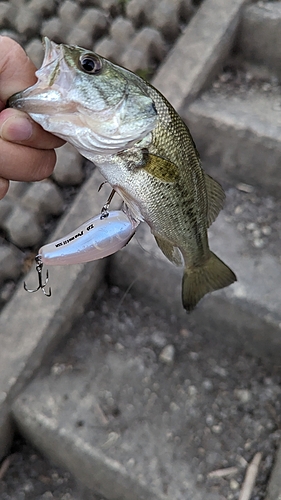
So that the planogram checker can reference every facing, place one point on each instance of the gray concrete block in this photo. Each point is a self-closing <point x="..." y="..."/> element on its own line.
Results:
<point x="42" y="7"/>
<point x="10" y="262"/>
<point x="239" y="134"/>
<point x="132" y="457"/>
<point x="165" y="19"/>
<point x="43" y="198"/>
<point x="30" y="325"/>
<point x="7" y="13"/>
<point x="69" y="12"/>
<point x="259" y="36"/>
<point x="91" y="25"/>
<point x="25" y="207"/>
<point x="151" y="42"/>
<point x="12" y="34"/>
<point x="199" y="51"/>
<point x="121" y="31"/>
<point x="134" y="59"/>
<point x="53" y="28"/>
<point x="274" y="485"/>
<point x="34" y="50"/>
<point x="27" y="22"/>
<point x="107" y="48"/>
<point x="95" y="21"/>
<point x="6" y="207"/>
<point x="139" y="11"/>
<point x="68" y="169"/>
<point x="22" y="227"/>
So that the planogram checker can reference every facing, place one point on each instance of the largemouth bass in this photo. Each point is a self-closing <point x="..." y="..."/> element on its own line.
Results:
<point x="143" y="149"/>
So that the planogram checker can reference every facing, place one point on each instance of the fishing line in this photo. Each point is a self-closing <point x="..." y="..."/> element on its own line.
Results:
<point x="125" y="295"/>
<point x="142" y="247"/>
<point x="134" y="281"/>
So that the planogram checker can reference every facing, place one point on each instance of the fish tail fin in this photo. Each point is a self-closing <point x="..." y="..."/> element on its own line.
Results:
<point x="197" y="281"/>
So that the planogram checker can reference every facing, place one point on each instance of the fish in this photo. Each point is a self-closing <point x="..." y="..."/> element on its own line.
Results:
<point x="143" y="149"/>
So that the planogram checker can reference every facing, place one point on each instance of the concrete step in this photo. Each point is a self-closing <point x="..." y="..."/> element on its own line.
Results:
<point x="108" y="402"/>
<point x="200" y="51"/>
<point x="237" y="129"/>
<point x="106" y="417"/>
<point x="123" y="403"/>
<point x="259" y="38"/>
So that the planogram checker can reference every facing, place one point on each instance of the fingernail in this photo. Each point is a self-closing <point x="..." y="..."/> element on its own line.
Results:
<point x="16" y="128"/>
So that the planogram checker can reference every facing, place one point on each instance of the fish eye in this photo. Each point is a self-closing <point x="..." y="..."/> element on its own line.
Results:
<point x="90" y="63"/>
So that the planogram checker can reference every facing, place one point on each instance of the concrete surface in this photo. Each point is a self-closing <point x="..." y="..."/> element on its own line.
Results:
<point x="199" y="52"/>
<point x="31" y="325"/>
<point x="239" y="134"/>
<point x="139" y="465"/>
<point x="274" y="487"/>
<point x="259" y="40"/>
<point x="109" y="413"/>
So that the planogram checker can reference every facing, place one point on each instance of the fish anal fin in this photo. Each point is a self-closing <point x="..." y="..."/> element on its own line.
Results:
<point x="162" y="169"/>
<point x="197" y="281"/>
<point x="170" y="251"/>
<point x="216" y="197"/>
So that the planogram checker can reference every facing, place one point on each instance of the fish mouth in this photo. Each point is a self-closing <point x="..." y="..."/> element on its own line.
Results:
<point x="55" y="102"/>
<point x="45" y="92"/>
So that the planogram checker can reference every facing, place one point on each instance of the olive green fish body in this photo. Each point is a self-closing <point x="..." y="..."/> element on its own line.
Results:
<point x="143" y="149"/>
<point x="163" y="184"/>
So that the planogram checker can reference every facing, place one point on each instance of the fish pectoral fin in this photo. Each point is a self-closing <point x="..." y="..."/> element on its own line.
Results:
<point x="197" y="281"/>
<point x="170" y="251"/>
<point x="162" y="169"/>
<point x="215" y="196"/>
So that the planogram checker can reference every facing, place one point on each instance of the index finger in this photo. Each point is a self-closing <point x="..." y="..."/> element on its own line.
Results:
<point x="17" y="72"/>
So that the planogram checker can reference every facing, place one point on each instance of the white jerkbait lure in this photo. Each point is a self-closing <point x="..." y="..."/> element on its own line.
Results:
<point x="95" y="239"/>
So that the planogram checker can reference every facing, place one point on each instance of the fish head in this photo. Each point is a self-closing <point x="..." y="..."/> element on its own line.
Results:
<point x="90" y="102"/>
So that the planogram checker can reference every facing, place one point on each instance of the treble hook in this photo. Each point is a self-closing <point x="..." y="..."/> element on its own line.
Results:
<point x="41" y="286"/>
<point x="104" y="210"/>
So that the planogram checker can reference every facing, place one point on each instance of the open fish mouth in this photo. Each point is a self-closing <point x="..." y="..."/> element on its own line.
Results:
<point x="102" y="113"/>
<point x="46" y="91"/>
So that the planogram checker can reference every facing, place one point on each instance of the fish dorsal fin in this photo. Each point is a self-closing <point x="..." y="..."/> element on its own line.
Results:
<point x="162" y="169"/>
<point x="216" y="197"/>
<point x="172" y="253"/>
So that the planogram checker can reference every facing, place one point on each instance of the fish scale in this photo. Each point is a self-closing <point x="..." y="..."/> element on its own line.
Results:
<point x="142" y="148"/>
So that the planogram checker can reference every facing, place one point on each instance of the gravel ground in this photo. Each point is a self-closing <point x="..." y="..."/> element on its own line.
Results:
<point x="31" y="477"/>
<point x="256" y="216"/>
<point x="235" y="399"/>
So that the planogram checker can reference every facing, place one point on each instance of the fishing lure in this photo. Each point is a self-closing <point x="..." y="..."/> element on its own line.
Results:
<point x="95" y="239"/>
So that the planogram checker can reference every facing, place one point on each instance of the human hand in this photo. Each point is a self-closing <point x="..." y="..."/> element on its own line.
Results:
<point x="26" y="150"/>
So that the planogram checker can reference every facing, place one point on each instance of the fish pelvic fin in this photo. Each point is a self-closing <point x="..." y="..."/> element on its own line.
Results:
<point x="197" y="281"/>
<point x="170" y="251"/>
<point x="215" y="196"/>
